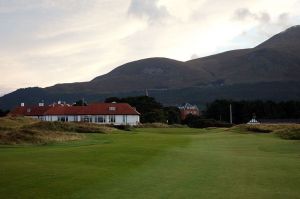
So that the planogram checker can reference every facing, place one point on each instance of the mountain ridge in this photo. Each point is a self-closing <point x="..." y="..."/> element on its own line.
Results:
<point x="275" y="61"/>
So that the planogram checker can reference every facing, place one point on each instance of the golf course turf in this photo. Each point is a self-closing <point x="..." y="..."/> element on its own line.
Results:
<point x="154" y="163"/>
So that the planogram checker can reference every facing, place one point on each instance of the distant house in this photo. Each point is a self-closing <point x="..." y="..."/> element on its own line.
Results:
<point x="100" y="113"/>
<point x="253" y="121"/>
<point x="188" y="109"/>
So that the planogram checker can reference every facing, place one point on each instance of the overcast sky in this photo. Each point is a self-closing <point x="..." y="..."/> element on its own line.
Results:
<point x="44" y="42"/>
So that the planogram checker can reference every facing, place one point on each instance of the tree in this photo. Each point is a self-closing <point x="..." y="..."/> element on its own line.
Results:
<point x="151" y="110"/>
<point x="172" y="114"/>
<point x="3" y="113"/>
<point x="243" y="110"/>
<point x="112" y="99"/>
<point x="218" y="110"/>
<point x="156" y="115"/>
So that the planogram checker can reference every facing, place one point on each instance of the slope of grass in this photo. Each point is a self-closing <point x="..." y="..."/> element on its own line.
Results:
<point x="155" y="163"/>
<point x="78" y="127"/>
<point x="21" y="130"/>
<point x="285" y="131"/>
<point x="15" y="122"/>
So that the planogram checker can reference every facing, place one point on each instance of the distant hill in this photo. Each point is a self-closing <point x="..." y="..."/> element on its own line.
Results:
<point x="269" y="71"/>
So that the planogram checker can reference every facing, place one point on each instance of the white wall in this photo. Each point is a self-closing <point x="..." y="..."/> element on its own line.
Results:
<point x="133" y="119"/>
<point x="119" y="119"/>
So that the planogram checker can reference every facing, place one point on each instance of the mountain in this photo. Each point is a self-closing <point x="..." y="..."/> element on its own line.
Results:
<point x="270" y="71"/>
<point x="275" y="60"/>
<point x="152" y="73"/>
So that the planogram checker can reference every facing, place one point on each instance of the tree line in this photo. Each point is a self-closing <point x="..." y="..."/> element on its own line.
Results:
<point x="3" y="113"/>
<point x="243" y="111"/>
<point x="151" y="111"/>
<point x="216" y="113"/>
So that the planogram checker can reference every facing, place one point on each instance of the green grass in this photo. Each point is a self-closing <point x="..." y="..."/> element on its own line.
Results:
<point x="155" y="163"/>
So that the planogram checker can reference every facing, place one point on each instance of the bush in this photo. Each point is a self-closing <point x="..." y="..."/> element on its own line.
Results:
<point x="177" y="126"/>
<point x="153" y="125"/>
<point x="204" y="123"/>
<point x="123" y="127"/>
<point x="258" y="129"/>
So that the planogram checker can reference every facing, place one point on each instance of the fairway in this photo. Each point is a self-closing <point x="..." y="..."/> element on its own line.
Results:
<point x="154" y="163"/>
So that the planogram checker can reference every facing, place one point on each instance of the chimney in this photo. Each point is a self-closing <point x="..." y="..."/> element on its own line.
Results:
<point x="22" y="104"/>
<point x="59" y="102"/>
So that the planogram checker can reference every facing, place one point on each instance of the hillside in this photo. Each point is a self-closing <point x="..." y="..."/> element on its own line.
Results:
<point x="269" y="71"/>
<point x="275" y="60"/>
<point x="155" y="73"/>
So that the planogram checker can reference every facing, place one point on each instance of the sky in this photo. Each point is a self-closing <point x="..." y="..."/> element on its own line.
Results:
<point x="45" y="42"/>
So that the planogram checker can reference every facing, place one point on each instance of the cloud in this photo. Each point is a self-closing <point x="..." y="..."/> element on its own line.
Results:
<point x="148" y="9"/>
<point x="243" y="14"/>
<point x="195" y="56"/>
<point x="44" y="42"/>
<point x="263" y="25"/>
<point x="29" y="5"/>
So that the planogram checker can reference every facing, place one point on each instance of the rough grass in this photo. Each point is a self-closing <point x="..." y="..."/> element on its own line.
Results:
<point x="289" y="134"/>
<point x="285" y="131"/>
<point x="15" y="122"/>
<point x="27" y="136"/>
<point x="21" y="130"/>
<point x="70" y="127"/>
<point x="154" y="163"/>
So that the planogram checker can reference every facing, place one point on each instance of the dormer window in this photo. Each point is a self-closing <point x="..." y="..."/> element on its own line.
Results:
<point x="112" y="108"/>
<point x="28" y="110"/>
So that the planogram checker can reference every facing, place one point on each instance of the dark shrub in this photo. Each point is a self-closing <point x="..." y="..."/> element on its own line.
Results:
<point x="124" y="127"/>
<point x="197" y="122"/>
<point x="258" y="129"/>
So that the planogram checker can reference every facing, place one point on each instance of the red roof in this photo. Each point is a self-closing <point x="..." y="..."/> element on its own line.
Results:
<point x="29" y="110"/>
<point x="91" y="109"/>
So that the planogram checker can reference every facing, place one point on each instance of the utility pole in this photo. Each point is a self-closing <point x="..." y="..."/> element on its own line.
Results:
<point x="230" y="110"/>
<point x="146" y="93"/>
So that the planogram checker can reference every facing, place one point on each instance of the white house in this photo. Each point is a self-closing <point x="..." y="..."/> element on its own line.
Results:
<point x="100" y="113"/>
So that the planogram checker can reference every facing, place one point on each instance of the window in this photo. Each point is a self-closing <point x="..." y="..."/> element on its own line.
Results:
<point x="75" y="118"/>
<point x="112" y="118"/>
<point x="112" y="108"/>
<point x="62" y="118"/>
<point x="86" y="118"/>
<point x="124" y="119"/>
<point x="101" y="119"/>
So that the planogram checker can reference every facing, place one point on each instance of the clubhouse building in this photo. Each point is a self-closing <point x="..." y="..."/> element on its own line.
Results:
<point x="100" y="113"/>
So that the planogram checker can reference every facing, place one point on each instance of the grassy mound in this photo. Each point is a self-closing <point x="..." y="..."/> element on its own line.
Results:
<point x="21" y="130"/>
<point x="27" y="136"/>
<point x="285" y="131"/>
<point x="69" y="127"/>
<point x="290" y="134"/>
<point x="15" y="122"/>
